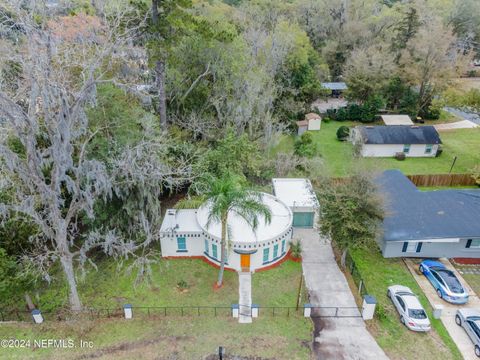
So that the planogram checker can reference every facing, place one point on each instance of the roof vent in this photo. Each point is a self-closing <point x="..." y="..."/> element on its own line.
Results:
<point x="415" y="127"/>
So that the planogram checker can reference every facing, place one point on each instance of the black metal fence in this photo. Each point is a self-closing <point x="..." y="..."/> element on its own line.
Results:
<point x="178" y="311"/>
<point x="356" y="276"/>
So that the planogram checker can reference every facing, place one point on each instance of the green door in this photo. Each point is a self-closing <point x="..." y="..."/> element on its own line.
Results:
<point x="303" y="219"/>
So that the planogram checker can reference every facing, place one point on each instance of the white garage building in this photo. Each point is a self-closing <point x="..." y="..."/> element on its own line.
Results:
<point x="184" y="233"/>
<point x="298" y="194"/>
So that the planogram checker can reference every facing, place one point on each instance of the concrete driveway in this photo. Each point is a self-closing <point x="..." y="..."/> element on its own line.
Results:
<point x="334" y="338"/>
<point x="456" y="332"/>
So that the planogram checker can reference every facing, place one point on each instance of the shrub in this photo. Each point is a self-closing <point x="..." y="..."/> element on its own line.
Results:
<point x="343" y="133"/>
<point x="400" y="156"/>
<point x="296" y="249"/>
<point x="326" y="120"/>
<point x="182" y="285"/>
<point x="304" y="146"/>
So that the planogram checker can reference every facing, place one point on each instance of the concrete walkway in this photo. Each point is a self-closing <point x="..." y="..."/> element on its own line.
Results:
<point x="334" y="338"/>
<point x="464" y="124"/>
<point x="245" y="297"/>
<point x="457" y="333"/>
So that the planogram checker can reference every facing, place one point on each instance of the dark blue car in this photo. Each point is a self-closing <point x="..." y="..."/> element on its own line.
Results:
<point x="444" y="281"/>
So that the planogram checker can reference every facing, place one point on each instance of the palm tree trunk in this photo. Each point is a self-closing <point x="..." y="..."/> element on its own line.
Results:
<point x="223" y="251"/>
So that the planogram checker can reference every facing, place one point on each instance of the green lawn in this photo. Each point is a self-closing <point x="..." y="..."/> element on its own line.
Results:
<point x="339" y="160"/>
<point x="397" y="341"/>
<point x="167" y="338"/>
<point x="187" y="337"/>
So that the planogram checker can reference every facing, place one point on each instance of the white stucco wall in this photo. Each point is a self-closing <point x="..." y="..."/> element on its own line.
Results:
<point x="194" y="242"/>
<point x="314" y="124"/>
<point x="416" y="150"/>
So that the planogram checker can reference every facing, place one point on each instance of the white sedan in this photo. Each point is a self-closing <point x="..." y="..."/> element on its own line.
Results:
<point x="412" y="314"/>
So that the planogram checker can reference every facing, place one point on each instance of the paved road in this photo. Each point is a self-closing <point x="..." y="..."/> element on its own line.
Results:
<point x="473" y="117"/>
<point x="456" y="332"/>
<point x="335" y="338"/>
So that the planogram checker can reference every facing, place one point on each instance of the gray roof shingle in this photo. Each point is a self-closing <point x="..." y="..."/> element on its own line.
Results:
<point x="414" y="215"/>
<point x="399" y="134"/>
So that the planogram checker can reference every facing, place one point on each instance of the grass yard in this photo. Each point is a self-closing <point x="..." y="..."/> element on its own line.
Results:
<point x="181" y="337"/>
<point x="167" y="338"/>
<point x="472" y="279"/>
<point x="397" y="341"/>
<point x="339" y="161"/>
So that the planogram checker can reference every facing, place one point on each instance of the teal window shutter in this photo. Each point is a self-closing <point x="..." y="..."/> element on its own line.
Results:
<point x="181" y="244"/>
<point x="266" y="255"/>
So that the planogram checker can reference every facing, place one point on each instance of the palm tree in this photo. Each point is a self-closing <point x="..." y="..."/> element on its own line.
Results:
<point x="228" y="195"/>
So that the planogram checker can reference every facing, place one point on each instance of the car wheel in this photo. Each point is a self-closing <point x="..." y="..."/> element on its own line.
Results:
<point x="458" y="321"/>
<point x="477" y="350"/>
<point x="389" y="294"/>
<point x="402" y="320"/>
<point x="421" y="269"/>
<point x="439" y="293"/>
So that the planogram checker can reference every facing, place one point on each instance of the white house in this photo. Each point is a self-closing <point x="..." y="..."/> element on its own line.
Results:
<point x="312" y="122"/>
<point x="186" y="233"/>
<point x="387" y="141"/>
<point x="298" y="194"/>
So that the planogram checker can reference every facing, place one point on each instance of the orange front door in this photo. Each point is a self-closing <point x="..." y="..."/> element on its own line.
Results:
<point x="245" y="262"/>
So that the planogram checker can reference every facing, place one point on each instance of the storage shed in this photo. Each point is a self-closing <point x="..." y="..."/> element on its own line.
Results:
<point x="298" y="194"/>
<point x="312" y="122"/>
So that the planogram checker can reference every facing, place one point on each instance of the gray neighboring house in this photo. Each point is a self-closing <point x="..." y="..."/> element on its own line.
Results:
<point x="428" y="224"/>
<point x="387" y="141"/>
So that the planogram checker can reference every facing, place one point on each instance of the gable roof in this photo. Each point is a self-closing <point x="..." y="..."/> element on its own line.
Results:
<point x="397" y="120"/>
<point x="312" y="116"/>
<point x="334" y="85"/>
<point x="399" y="134"/>
<point x="415" y="215"/>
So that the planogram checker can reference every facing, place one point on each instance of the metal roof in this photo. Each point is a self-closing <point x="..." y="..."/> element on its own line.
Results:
<point x="416" y="215"/>
<point x="334" y="85"/>
<point x="399" y="134"/>
<point x="397" y="120"/>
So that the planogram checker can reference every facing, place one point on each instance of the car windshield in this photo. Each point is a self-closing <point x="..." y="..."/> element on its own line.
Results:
<point x="451" y="280"/>
<point x="417" y="314"/>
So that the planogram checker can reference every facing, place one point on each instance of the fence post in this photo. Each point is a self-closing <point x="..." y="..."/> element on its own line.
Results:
<point x="37" y="316"/>
<point x="307" y="310"/>
<point x="360" y="286"/>
<point x="368" y="307"/>
<point x="255" y="310"/>
<point x="127" y="310"/>
<point x="235" y="310"/>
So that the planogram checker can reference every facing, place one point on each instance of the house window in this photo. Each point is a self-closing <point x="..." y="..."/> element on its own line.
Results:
<point x="283" y="247"/>
<point x="473" y="243"/>
<point x="275" y="251"/>
<point x="266" y="254"/>
<point x="206" y="247"/>
<point x="214" y="251"/>
<point x="409" y="247"/>
<point x="181" y="244"/>
<point x="406" y="148"/>
<point x="428" y="149"/>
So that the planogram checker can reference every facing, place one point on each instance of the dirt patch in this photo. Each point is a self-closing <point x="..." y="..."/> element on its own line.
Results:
<point x="129" y="346"/>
